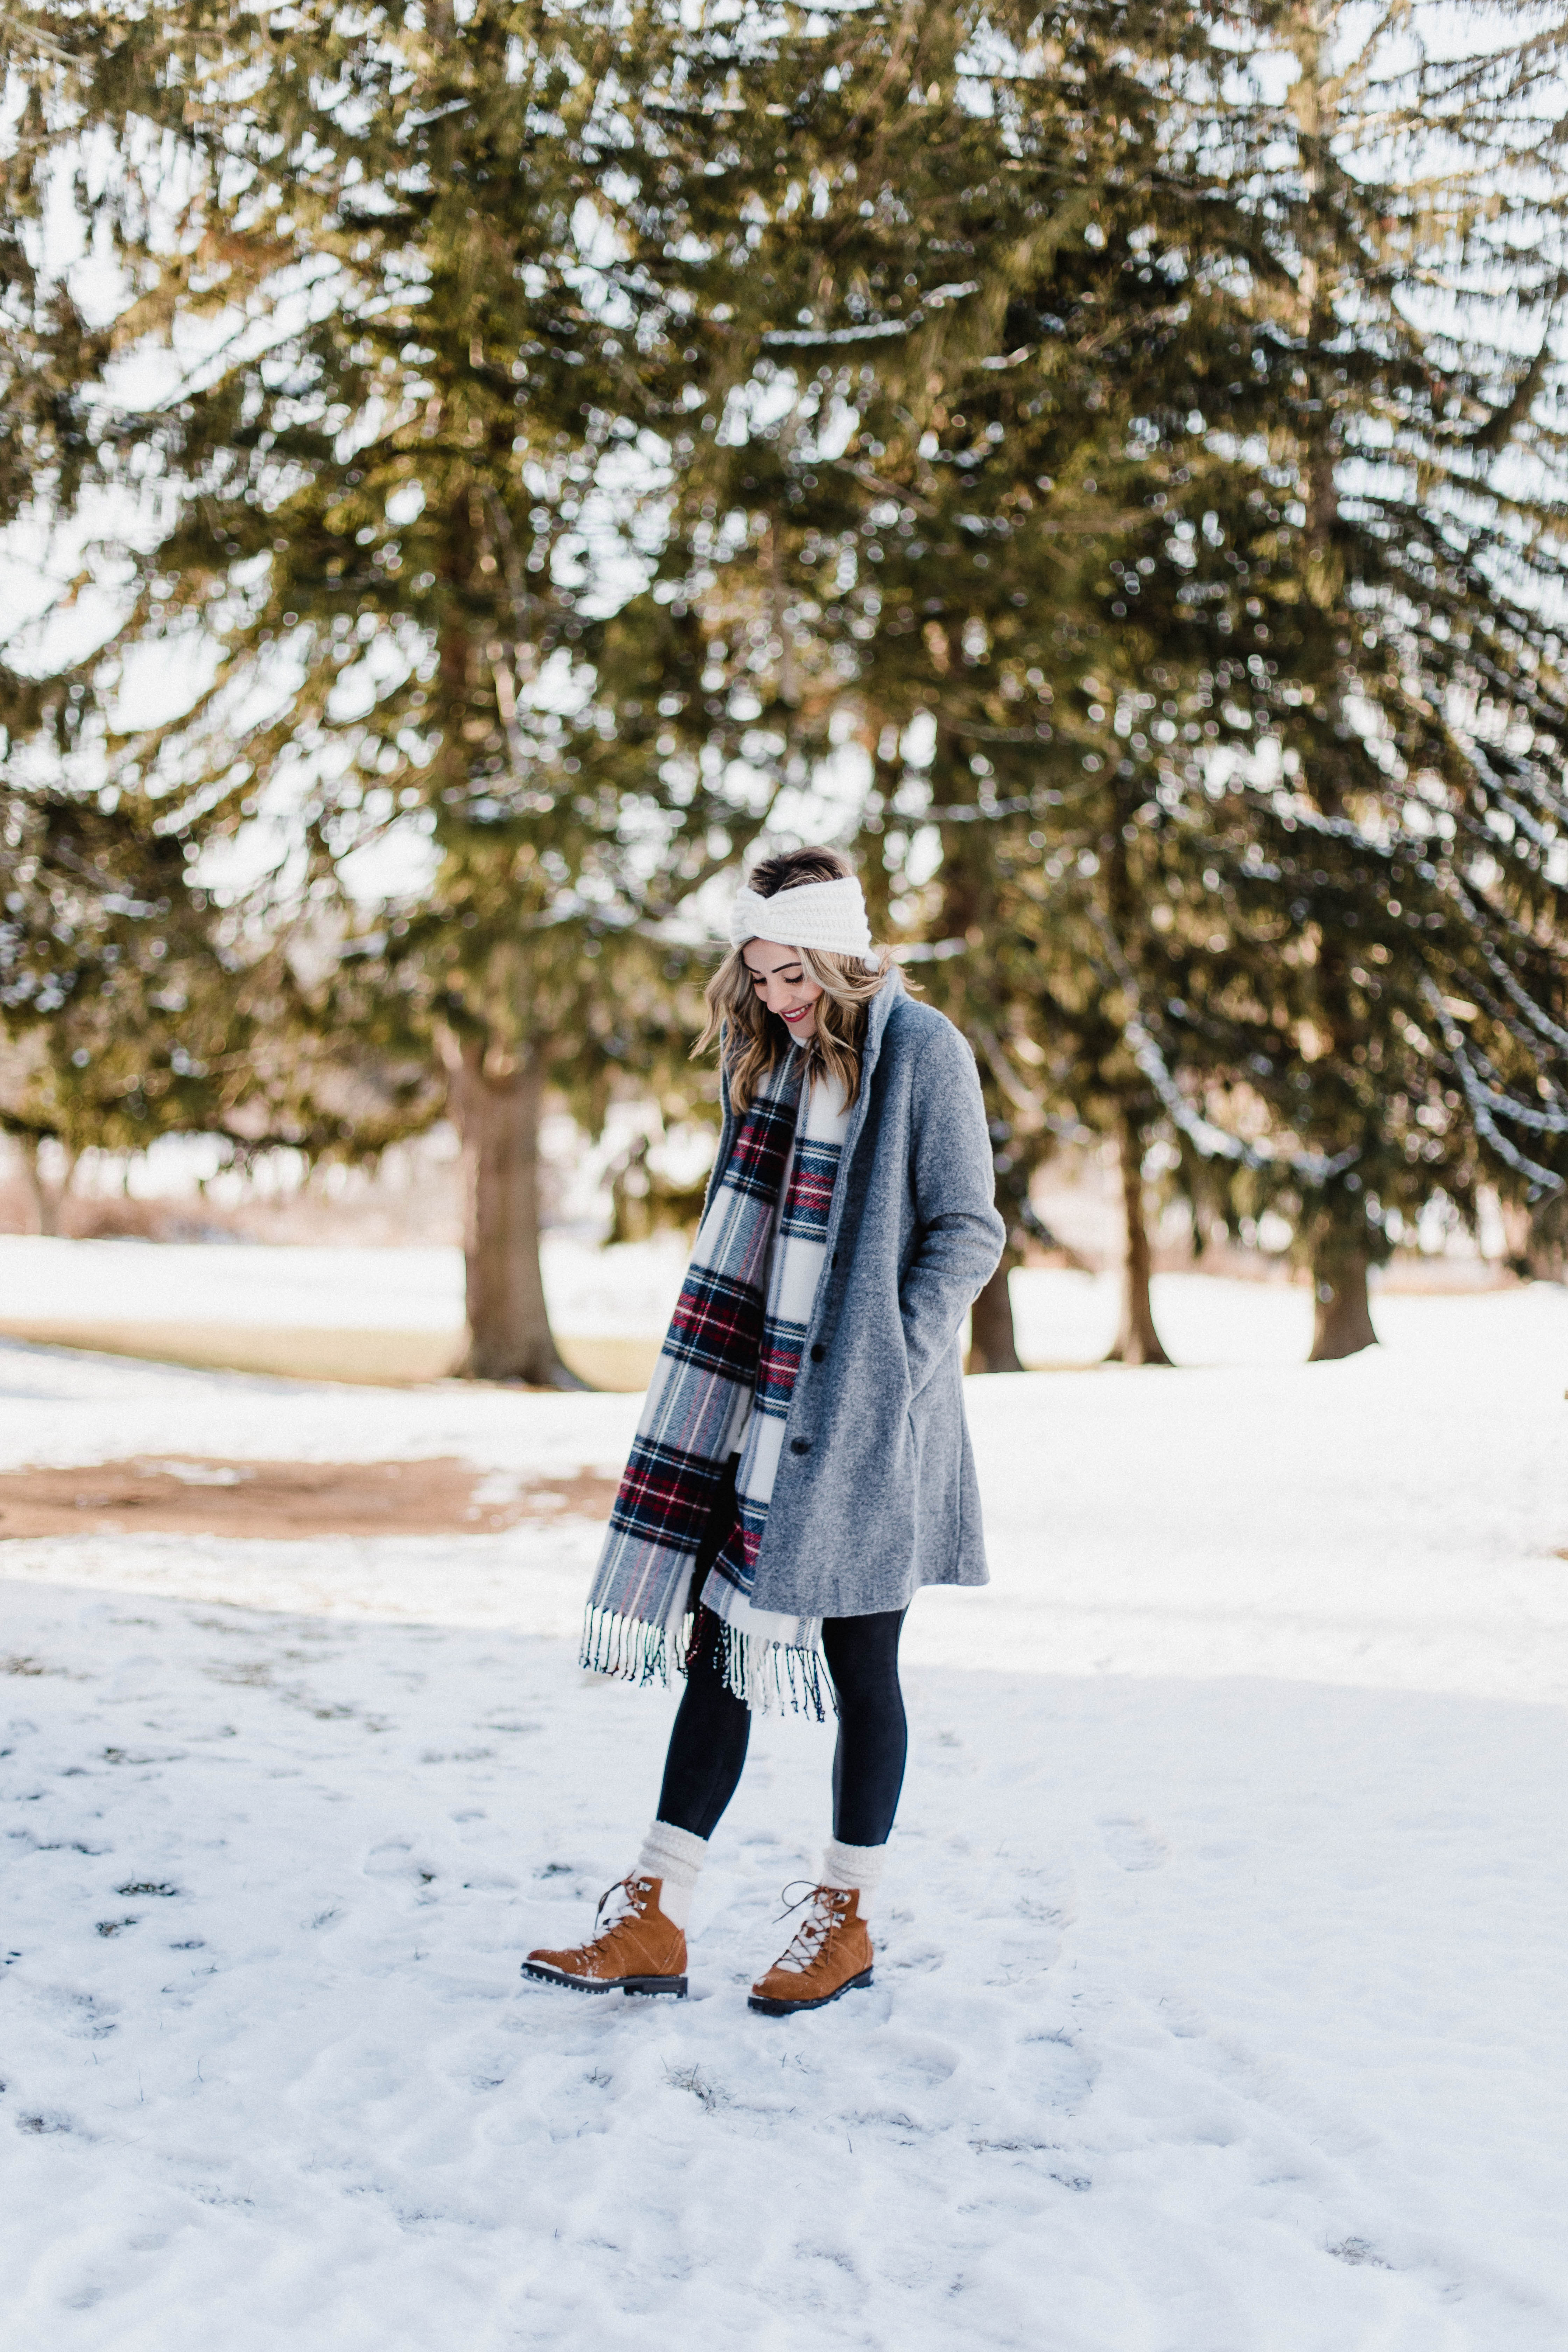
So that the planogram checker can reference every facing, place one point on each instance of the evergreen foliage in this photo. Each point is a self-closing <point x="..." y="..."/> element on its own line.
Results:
<point x="912" y="435"/>
<point x="1106" y="458"/>
<point x="1380" y="572"/>
<point x="383" y="492"/>
<point x="1292" y="872"/>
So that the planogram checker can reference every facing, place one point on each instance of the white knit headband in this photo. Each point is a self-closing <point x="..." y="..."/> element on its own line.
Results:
<point x="827" y="915"/>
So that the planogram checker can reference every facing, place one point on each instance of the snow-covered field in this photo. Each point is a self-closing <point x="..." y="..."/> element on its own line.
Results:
<point x="1220" y="1990"/>
<point x="626" y="1293"/>
<point x="593" y="1292"/>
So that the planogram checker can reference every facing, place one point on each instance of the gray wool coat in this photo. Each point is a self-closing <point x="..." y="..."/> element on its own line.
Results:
<point x="876" y="1492"/>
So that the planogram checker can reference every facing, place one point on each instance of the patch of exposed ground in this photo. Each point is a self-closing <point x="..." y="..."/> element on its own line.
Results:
<point x="174" y="1495"/>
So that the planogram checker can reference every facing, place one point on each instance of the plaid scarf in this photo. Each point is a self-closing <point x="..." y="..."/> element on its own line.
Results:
<point x="723" y="1382"/>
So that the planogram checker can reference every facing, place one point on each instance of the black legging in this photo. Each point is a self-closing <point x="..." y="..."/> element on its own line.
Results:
<point x="707" y="1744"/>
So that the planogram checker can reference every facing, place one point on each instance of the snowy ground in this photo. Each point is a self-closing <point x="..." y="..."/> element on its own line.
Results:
<point x="627" y="1293"/>
<point x="1220" y="1974"/>
<point x="593" y="1292"/>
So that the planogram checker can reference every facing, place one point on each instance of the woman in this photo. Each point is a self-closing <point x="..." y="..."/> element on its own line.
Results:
<point x="802" y="1465"/>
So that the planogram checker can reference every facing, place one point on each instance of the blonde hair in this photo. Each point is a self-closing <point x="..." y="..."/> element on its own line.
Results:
<point x="753" y="1040"/>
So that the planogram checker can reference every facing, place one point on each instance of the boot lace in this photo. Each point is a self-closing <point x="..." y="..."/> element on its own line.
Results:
<point x="626" y="1898"/>
<point x="806" y="1945"/>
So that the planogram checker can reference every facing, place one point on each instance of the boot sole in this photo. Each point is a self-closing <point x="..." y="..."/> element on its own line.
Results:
<point x="766" y="2008"/>
<point x="673" y="1985"/>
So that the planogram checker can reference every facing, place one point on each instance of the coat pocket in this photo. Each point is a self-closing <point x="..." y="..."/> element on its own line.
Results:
<point x="936" y="1440"/>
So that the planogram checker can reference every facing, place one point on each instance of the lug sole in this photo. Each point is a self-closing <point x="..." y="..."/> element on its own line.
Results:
<point x="674" y="1986"/>
<point x="766" y="2008"/>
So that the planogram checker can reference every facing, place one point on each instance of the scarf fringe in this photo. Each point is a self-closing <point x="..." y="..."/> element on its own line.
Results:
<point x="768" y="1675"/>
<point x="763" y="1675"/>
<point x="629" y="1649"/>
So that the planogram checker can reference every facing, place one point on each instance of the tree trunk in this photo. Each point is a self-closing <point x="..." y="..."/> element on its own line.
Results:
<point x="992" y="1346"/>
<point x="1137" y="1342"/>
<point x="1544" y="1257"/>
<point x="497" y="1110"/>
<point x="49" y="1199"/>
<point x="1342" y="1318"/>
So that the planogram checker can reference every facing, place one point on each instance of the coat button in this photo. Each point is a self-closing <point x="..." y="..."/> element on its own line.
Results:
<point x="800" y="1445"/>
<point x="818" y="1355"/>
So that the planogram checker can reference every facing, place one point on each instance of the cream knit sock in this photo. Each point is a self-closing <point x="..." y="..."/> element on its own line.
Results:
<point x="859" y="1866"/>
<point x="676" y="1857"/>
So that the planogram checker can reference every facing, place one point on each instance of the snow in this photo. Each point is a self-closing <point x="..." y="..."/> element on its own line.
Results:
<point x="1218" y="1987"/>
<point x="1062" y="1318"/>
<point x="593" y="1292"/>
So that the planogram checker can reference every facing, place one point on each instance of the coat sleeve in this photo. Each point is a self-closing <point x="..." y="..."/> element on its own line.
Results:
<point x="960" y="1235"/>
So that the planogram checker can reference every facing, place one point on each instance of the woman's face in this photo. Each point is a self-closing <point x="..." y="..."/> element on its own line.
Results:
<point x="779" y="980"/>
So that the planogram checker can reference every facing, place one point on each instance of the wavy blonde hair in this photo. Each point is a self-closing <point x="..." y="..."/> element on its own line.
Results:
<point x="754" y="1040"/>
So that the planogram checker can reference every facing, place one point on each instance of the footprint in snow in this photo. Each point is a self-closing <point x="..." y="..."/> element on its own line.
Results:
<point x="1135" y="1845"/>
<point x="1055" y="2070"/>
<point x="389" y="1860"/>
<point x="396" y="1859"/>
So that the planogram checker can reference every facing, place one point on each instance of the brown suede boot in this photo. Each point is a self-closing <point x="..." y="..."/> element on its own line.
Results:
<point x="831" y="1954"/>
<point x="640" y="1951"/>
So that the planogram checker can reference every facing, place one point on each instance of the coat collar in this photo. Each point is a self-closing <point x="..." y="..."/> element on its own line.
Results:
<point x="879" y="1013"/>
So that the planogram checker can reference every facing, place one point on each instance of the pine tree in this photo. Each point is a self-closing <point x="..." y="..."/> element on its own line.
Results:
<point x="114" y="1011"/>
<point x="1394" y="848"/>
<point x="1316" y="823"/>
<point x="907" y="254"/>
<point x="51" y="356"/>
<point x="1026" y="426"/>
<point x="111" y="1024"/>
<point x="131" y="1011"/>
<point x="389" y="495"/>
